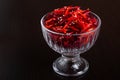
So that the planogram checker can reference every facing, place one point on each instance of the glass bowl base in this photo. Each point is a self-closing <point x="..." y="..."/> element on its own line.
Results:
<point x="70" y="66"/>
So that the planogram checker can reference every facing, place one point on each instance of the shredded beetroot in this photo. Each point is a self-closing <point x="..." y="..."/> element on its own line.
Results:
<point x="70" y="19"/>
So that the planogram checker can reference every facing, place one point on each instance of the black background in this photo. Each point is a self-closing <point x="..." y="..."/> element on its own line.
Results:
<point x="24" y="55"/>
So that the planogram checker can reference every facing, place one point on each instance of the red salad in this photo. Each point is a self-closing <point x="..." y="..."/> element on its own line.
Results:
<point x="70" y="20"/>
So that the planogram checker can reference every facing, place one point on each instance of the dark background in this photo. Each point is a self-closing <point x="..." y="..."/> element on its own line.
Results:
<point x="24" y="55"/>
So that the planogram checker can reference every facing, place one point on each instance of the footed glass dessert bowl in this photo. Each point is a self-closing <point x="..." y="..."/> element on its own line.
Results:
<point x="70" y="31"/>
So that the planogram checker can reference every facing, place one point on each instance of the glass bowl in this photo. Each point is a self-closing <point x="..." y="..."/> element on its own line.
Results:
<point x="70" y="46"/>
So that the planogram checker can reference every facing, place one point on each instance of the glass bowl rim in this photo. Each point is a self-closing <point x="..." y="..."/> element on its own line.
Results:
<point x="84" y="33"/>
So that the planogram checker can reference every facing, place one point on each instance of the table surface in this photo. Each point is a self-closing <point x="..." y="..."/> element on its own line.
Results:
<point x="24" y="55"/>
